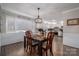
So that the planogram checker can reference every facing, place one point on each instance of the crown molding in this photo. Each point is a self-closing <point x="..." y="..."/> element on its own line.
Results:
<point x="70" y="10"/>
<point x="16" y="13"/>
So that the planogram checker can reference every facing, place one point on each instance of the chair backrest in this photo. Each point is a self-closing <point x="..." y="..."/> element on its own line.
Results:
<point x="28" y="35"/>
<point x="50" y="38"/>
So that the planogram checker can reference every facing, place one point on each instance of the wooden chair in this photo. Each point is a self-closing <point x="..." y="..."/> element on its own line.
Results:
<point x="48" y="46"/>
<point x="28" y="42"/>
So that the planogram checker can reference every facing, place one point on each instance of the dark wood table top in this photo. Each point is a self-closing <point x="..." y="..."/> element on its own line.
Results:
<point x="39" y="37"/>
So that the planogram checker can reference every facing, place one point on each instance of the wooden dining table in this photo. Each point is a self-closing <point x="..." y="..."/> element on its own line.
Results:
<point x="41" y="39"/>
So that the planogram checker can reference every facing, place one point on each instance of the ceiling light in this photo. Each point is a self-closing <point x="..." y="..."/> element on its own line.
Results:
<point x="38" y="19"/>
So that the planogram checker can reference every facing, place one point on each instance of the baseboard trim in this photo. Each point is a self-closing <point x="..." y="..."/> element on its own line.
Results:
<point x="71" y="47"/>
<point x="12" y="43"/>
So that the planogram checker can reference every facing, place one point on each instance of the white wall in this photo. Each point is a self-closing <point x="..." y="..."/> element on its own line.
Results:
<point x="13" y="28"/>
<point x="0" y="39"/>
<point x="71" y="33"/>
<point x="14" y="23"/>
<point x="3" y="22"/>
<point x="9" y="38"/>
<point x="0" y="26"/>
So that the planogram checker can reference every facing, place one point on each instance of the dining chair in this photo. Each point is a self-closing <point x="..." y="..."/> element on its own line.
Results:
<point x="29" y="43"/>
<point x="48" y="46"/>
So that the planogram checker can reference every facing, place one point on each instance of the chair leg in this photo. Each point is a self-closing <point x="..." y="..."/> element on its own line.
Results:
<point x="34" y="50"/>
<point x="46" y="53"/>
<point x="30" y="50"/>
<point x="24" y="51"/>
<point x="27" y="47"/>
<point x="51" y="51"/>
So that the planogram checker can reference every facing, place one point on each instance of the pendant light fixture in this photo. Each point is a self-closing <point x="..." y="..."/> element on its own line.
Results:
<point x="38" y="19"/>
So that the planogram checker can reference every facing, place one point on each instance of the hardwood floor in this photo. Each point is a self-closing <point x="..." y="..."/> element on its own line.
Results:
<point x="70" y="51"/>
<point x="58" y="46"/>
<point x="17" y="49"/>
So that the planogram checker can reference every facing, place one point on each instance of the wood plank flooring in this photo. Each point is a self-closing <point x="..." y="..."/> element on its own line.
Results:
<point x="70" y="51"/>
<point x="17" y="49"/>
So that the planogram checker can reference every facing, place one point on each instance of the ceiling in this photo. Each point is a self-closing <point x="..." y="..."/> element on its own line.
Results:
<point x="47" y="10"/>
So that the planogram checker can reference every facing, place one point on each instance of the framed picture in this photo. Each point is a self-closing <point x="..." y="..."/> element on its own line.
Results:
<point x="74" y="21"/>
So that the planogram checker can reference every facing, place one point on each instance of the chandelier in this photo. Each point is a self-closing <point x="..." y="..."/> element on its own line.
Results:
<point x="38" y="19"/>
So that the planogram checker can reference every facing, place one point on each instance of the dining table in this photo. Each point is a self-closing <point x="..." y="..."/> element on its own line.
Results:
<point x="41" y="39"/>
